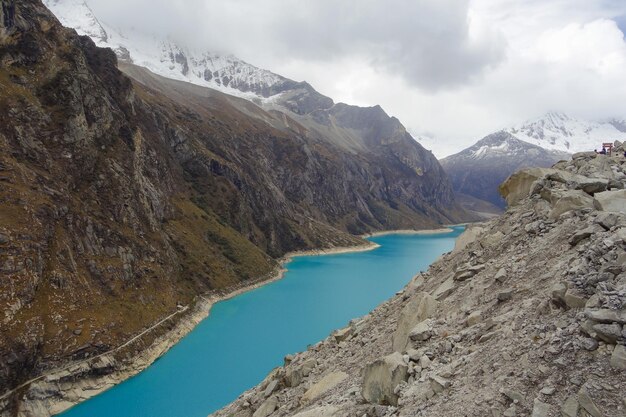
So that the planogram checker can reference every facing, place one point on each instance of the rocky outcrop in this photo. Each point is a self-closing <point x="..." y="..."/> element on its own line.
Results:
<point x="535" y="327"/>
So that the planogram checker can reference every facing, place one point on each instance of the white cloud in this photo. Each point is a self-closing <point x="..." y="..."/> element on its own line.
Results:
<point x="455" y="69"/>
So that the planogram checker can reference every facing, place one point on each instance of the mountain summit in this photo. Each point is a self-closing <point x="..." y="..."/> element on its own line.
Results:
<point x="165" y="57"/>
<point x="560" y="132"/>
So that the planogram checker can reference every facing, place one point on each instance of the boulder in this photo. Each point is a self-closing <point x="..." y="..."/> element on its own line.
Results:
<point x="474" y="318"/>
<point x="540" y="409"/>
<point x="421" y="332"/>
<point x="382" y="377"/>
<point x="583" y="234"/>
<point x="569" y="200"/>
<point x="618" y="358"/>
<point x="438" y="383"/>
<point x="608" y="333"/>
<point x="574" y="300"/>
<point x="585" y="401"/>
<point x="467" y="271"/>
<point x="500" y="275"/>
<point x="328" y="382"/>
<point x="505" y="295"/>
<point x="293" y="376"/>
<point x="342" y="334"/>
<point x="420" y="307"/>
<point x="558" y="292"/>
<point x="267" y="407"/>
<point x="584" y="155"/>
<point x="518" y="186"/>
<point x="606" y="315"/>
<point x="609" y="220"/>
<point x="570" y="407"/>
<point x="593" y="185"/>
<point x="614" y="201"/>
<point x="271" y="387"/>
<point x="470" y="234"/>
<point x="445" y="289"/>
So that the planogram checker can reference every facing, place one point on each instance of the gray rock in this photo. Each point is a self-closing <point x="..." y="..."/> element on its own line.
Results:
<point x="271" y="387"/>
<point x="267" y="408"/>
<point x="585" y="401"/>
<point x="342" y="334"/>
<point x="439" y="383"/>
<point x="608" y="220"/>
<point x="558" y="292"/>
<point x="574" y="299"/>
<point x="420" y="307"/>
<point x="421" y="332"/>
<point x="3" y="239"/>
<point x="540" y="409"/>
<point x="382" y="377"/>
<point x="570" y="407"/>
<point x="570" y="200"/>
<point x="614" y="201"/>
<point x="474" y="318"/>
<point x="293" y="376"/>
<point x="500" y="275"/>
<point x="505" y="295"/>
<point x="606" y="315"/>
<point x="609" y="333"/>
<point x="582" y="235"/>
<point x="328" y="382"/>
<point x="513" y="395"/>
<point x="618" y="358"/>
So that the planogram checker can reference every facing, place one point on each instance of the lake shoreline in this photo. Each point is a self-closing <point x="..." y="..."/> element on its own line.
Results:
<point x="86" y="382"/>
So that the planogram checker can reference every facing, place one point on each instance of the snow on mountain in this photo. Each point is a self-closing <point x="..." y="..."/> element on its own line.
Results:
<point x="478" y="170"/>
<point x="164" y="57"/>
<point x="559" y="132"/>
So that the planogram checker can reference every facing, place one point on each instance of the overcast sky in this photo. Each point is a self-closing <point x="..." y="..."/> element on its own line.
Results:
<point x="453" y="69"/>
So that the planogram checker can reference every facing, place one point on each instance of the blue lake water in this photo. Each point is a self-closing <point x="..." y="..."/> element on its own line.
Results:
<point x="247" y="336"/>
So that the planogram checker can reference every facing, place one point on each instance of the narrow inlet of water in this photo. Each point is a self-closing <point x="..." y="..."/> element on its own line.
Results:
<point x="247" y="336"/>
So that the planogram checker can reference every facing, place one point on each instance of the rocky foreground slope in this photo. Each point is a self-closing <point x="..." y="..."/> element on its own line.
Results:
<point x="525" y="317"/>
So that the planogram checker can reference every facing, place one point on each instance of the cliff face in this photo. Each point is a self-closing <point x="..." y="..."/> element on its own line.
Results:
<point x="121" y="201"/>
<point x="526" y="316"/>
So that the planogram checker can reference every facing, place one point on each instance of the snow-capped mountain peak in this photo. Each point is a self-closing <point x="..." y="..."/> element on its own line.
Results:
<point x="560" y="132"/>
<point x="165" y="57"/>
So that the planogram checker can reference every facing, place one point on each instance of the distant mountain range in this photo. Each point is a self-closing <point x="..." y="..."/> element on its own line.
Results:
<point x="562" y="133"/>
<point x="170" y="59"/>
<point x="476" y="172"/>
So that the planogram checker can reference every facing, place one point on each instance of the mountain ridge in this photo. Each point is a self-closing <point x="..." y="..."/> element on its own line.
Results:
<point x="478" y="170"/>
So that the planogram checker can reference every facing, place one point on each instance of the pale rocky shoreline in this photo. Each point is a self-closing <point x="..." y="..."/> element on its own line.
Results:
<point x="526" y="317"/>
<point x="57" y="391"/>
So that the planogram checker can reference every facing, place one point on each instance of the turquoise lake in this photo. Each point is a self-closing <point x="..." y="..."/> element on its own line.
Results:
<point x="247" y="336"/>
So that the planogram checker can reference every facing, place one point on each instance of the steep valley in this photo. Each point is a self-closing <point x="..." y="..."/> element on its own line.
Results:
<point x="124" y="200"/>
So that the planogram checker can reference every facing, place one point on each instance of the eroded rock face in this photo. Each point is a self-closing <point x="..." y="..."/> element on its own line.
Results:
<point x="537" y="329"/>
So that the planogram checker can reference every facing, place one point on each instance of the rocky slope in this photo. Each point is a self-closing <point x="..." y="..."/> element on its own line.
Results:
<point x="525" y="317"/>
<point x="478" y="170"/>
<point x="122" y="201"/>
